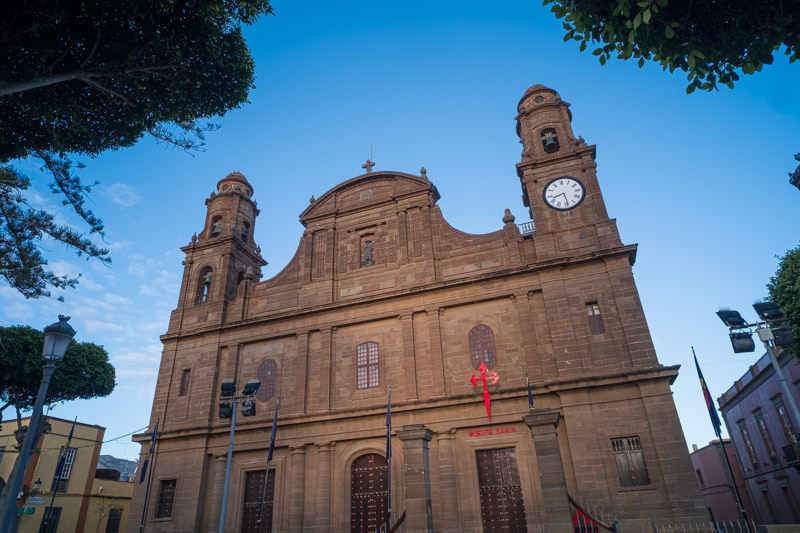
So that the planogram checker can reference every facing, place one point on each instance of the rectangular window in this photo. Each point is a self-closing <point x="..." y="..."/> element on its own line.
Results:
<point x="786" y="424"/>
<point x="166" y="498"/>
<point x="2" y="451"/>
<point x="50" y="519"/>
<point x="184" y="390"/>
<point x="748" y="444"/>
<point x="595" y="320"/>
<point x="762" y="428"/>
<point x="630" y="462"/>
<point x="60" y="483"/>
<point x="764" y="489"/>
<point x="788" y="497"/>
<point x="700" y="478"/>
<point x="367" y="367"/>
<point x="114" y="519"/>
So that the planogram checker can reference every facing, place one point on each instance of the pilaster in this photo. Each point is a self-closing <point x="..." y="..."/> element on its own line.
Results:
<point x="417" y="478"/>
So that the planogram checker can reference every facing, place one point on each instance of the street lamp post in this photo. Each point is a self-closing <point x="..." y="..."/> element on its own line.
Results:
<point x="773" y="332"/>
<point x="57" y="337"/>
<point x="227" y="409"/>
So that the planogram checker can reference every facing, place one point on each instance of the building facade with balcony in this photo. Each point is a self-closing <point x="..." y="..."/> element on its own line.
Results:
<point x="78" y="499"/>
<point x="756" y="413"/>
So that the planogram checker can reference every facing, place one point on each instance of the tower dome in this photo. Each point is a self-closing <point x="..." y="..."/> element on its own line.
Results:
<point x="235" y="182"/>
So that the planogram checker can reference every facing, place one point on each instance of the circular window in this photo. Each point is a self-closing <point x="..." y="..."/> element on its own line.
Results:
<point x="225" y="187"/>
<point x="268" y="376"/>
<point x="539" y="99"/>
<point x="248" y="192"/>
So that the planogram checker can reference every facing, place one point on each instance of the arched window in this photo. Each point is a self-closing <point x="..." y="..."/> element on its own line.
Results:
<point x="550" y="141"/>
<point x="367" y="368"/>
<point x="481" y="347"/>
<point x="216" y="226"/>
<point x="369" y="481"/>
<point x="245" y="230"/>
<point x="204" y="286"/>
<point x="268" y="376"/>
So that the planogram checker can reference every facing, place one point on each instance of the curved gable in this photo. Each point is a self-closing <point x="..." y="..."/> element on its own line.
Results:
<point x="368" y="190"/>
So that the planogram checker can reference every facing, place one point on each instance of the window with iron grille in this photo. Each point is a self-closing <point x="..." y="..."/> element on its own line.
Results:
<point x="481" y="347"/>
<point x="748" y="444"/>
<point x="61" y="482"/>
<point x="595" y="319"/>
<point x="185" y="377"/>
<point x="50" y="520"/>
<point x="630" y="461"/>
<point x="268" y="376"/>
<point x="166" y="498"/>
<point x="367" y="368"/>
<point x="114" y="519"/>
<point x="762" y="428"/>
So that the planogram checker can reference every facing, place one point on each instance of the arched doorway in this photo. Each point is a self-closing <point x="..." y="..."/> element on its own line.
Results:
<point x="369" y="482"/>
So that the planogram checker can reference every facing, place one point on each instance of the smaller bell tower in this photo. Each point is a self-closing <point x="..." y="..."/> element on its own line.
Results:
<point x="224" y="254"/>
<point x="557" y="174"/>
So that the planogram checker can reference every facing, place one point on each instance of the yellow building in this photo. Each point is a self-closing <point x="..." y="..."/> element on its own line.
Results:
<point x="83" y="502"/>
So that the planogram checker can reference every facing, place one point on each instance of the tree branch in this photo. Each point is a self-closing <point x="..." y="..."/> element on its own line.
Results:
<point x="12" y="87"/>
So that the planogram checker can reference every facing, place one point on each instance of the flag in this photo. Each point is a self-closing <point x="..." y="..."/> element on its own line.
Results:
<point x="530" y="396"/>
<point x="63" y="459"/>
<point x="712" y="410"/>
<point x="389" y="460"/>
<point x="149" y="453"/>
<point x="274" y="432"/>
<point x="389" y="427"/>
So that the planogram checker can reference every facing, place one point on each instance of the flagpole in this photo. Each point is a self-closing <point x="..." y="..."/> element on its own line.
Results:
<point x="389" y="461"/>
<point x="269" y="460"/>
<point x="59" y="469"/>
<point x="150" y="455"/>
<point x="712" y="411"/>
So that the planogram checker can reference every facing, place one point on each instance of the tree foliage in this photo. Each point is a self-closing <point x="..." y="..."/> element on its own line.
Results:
<point x="784" y="290"/>
<point x="84" y="77"/>
<point x="84" y="373"/>
<point x="711" y="41"/>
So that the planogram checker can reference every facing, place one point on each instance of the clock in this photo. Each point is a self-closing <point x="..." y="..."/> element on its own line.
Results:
<point x="564" y="193"/>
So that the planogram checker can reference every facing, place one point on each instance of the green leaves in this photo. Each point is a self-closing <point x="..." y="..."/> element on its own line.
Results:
<point x="712" y="42"/>
<point x="84" y="373"/>
<point x="784" y="290"/>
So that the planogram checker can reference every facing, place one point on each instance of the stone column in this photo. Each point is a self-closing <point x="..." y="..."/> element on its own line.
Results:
<point x="543" y="424"/>
<point x="324" y="487"/>
<point x="417" y="478"/>
<point x="447" y="480"/>
<point x="297" y="487"/>
<point x="216" y="492"/>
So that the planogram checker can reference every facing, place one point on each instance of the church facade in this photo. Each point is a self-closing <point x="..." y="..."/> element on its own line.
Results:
<point x="383" y="295"/>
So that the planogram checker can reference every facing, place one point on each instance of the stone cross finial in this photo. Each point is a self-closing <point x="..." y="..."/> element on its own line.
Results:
<point x="368" y="165"/>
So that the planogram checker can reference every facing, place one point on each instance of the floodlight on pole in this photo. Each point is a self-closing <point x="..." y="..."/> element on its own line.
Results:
<point x="772" y="336"/>
<point x="227" y="409"/>
<point x="57" y="337"/>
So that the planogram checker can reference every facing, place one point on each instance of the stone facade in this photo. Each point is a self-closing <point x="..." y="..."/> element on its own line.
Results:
<point x="379" y="272"/>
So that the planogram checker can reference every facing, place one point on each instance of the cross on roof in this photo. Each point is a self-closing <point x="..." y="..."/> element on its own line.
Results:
<point x="368" y="165"/>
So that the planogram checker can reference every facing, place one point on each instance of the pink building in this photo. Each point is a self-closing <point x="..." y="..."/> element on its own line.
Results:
<point x="716" y="484"/>
<point x="756" y="413"/>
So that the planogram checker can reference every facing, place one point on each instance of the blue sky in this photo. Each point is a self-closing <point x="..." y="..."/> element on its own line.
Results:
<point x="698" y="181"/>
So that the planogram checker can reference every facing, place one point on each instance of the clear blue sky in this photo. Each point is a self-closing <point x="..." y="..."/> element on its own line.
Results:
<point x="698" y="181"/>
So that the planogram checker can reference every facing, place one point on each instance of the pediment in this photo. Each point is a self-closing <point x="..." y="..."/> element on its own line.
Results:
<point x="367" y="190"/>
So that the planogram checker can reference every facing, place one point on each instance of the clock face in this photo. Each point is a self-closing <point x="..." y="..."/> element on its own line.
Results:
<point x="564" y="193"/>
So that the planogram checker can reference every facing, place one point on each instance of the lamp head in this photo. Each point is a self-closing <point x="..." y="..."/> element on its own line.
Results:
<point x="251" y="387"/>
<point x="57" y="337"/>
<point x="743" y="342"/>
<point x="225" y="410"/>
<point x="731" y="318"/>
<point x="227" y="388"/>
<point x="249" y="407"/>
<point x="769" y="311"/>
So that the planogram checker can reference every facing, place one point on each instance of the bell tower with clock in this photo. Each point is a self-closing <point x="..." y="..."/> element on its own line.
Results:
<point x="559" y="183"/>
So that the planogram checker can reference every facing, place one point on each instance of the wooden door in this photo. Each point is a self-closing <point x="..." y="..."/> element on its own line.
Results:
<point x="502" y="508"/>
<point x="370" y="489"/>
<point x="253" y="490"/>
